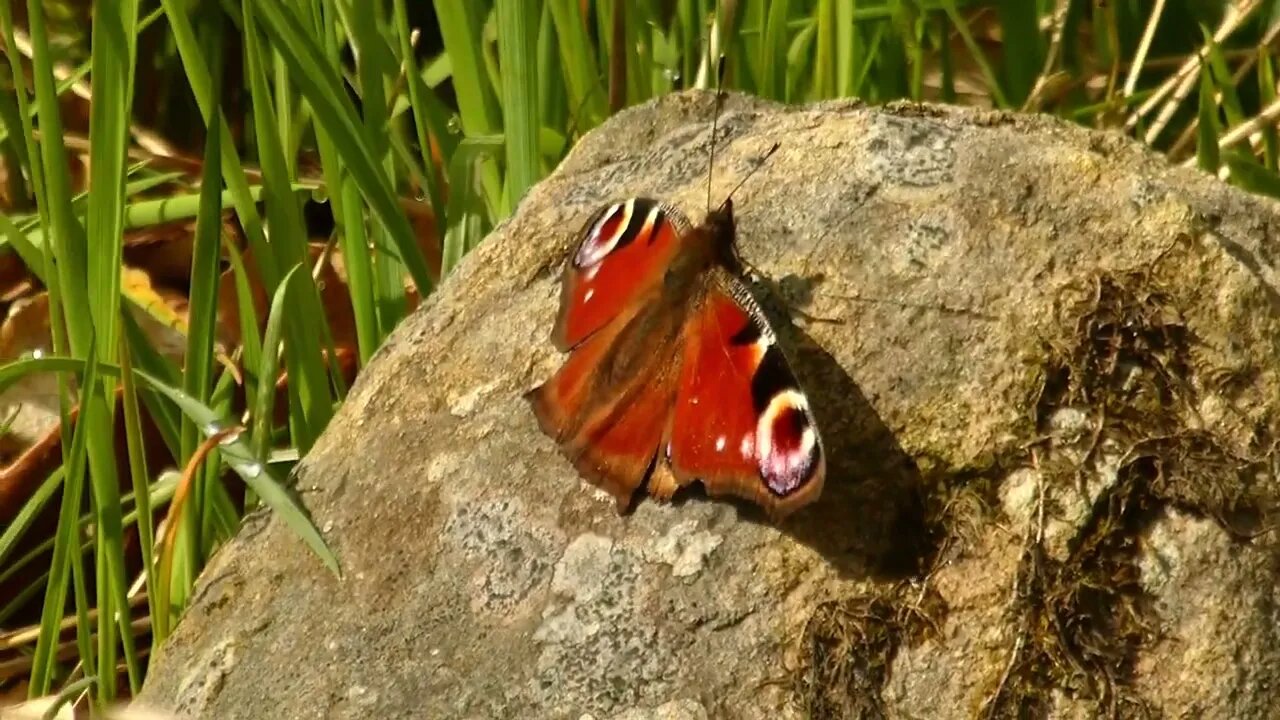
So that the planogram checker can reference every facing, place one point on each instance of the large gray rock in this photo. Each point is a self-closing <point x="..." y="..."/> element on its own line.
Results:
<point x="1049" y="404"/>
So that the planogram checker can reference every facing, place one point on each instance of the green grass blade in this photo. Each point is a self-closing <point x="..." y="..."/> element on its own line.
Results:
<point x="517" y="25"/>
<point x="860" y="86"/>
<point x="773" y="51"/>
<point x="269" y="366"/>
<point x="799" y="59"/>
<point x="460" y="29"/>
<point x="66" y="540"/>
<point x="323" y="89"/>
<point x="140" y="478"/>
<point x="466" y="220"/>
<point x="114" y="49"/>
<point x="551" y="93"/>
<point x="744" y="53"/>
<point x="913" y="33"/>
<point x="309" y="385"/>
<point x="360" y="282"/>
<point x="235" y="451"/>
<point x="848" y="51"/>
<point x="68" y="241"/>
<point x="638" y="51"/>
<point x="197" y="376"/>
<point x="686" y="36"/>
<point x="113" y="582"/>
<point x="15" y="153"/>
<point x="258" y="476"/>
<point x="579" y="64"/>
<point x="145" y="356"/>
<point x="201" y="83"/>
<point x="145" y="213"/>
<point x="349" y="220"/>
<point x="30" y="249"/>
<point x="202" y="316"/>
<point x="21" y="522"/>
<point x="1248" y="174"/>
<point x="825" y="63"/>
<point x="1208" y="130"/>
<point x="288" y="232"/>
<point x="946" y="61"/>
<point x="375" y="66"/>
<point x="218" y="517"/>
<point x="26" y="111"/>
<point x="420" y="99"/>
<point x="975" y="51"/>
<point x="1268" y="98"/>
<point x="67" y="695"/>
<point x="1023" y="47"/>
<point x="1223" y="80"/>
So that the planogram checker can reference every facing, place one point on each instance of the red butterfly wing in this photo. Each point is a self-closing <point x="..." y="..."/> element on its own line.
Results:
<point x="608" y="405"/>
<point x="676" y="351"/>
<point x="741" y="423"/>
<point x="624" y="252"/>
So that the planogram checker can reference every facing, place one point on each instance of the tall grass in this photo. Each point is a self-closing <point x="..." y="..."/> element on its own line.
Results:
<point x="452" y="110"/>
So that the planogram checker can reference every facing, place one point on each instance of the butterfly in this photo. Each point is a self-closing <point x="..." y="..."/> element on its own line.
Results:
<point x="674" y="373"/>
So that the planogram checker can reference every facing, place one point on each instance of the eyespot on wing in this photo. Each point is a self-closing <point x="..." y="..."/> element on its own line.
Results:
<point x="742" y="425"/>
<point x="624" y="251"/>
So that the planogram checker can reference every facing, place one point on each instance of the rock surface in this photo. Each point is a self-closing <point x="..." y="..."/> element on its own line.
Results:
<point x="1049" y="405"/>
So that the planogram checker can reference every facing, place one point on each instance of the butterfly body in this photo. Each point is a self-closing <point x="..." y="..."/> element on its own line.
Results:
<point x="674" y="374"/>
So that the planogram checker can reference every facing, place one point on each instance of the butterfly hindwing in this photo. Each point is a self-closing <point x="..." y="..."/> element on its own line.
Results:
<point x="741" y="424"/>
<point x="609" y="404"/>
<point x="625" y="249"/>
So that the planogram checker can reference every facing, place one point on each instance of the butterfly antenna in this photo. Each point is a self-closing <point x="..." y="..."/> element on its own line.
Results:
<point x="745" y="178"/>
<point x="715" y="118"/>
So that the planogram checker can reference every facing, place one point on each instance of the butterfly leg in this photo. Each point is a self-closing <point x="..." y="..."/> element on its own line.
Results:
<point x="663" y="483"/>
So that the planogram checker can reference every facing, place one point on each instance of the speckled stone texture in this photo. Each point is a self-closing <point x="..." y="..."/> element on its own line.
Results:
<point x="1048" y="400"/>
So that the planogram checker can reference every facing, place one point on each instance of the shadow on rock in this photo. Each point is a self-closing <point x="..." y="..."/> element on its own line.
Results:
<point x="872" y="517"/>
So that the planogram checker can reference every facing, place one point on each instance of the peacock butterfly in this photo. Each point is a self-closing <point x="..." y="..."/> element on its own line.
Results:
<point x="669" y="353"/>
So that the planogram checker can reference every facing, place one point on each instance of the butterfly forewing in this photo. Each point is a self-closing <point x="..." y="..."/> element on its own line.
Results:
<point x="624" y="251"/>
<point x="609" y="404"/>
<point x="616" y="448"/>
<point x="741" y="424"/>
